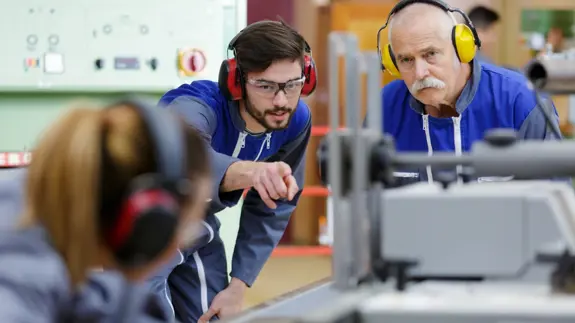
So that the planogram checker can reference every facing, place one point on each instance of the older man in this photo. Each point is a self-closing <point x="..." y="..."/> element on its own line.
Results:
<point x="446" y="99"/>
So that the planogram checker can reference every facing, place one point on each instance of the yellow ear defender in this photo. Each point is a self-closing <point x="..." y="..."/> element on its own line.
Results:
<point x="463" y="36"/>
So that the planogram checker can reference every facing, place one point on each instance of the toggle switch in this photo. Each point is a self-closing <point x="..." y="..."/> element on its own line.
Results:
<point x="191" y="61"/>
<point x="99" y="64"/>
<point x="153" y="63"/>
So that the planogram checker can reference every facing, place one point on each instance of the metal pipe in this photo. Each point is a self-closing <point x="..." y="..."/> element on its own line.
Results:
<point x="523" y="160"/>
<point x="552" y="75"/>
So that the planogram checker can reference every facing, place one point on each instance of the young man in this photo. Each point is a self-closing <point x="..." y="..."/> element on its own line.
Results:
<point x="443" y="103"/>
<point x="485" y="21"/>
<point x="258" y="129"/>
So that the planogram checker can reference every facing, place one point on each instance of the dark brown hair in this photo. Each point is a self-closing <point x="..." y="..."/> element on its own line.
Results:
<point x="67" y="179"/>
<point x="265" y="42"/>
<point x="483" y="17"/>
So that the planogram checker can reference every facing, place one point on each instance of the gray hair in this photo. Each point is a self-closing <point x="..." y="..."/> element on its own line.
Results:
<point x="407" y="16"/>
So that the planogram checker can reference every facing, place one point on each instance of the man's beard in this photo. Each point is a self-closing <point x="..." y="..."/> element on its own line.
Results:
<point x="260" y="117"/>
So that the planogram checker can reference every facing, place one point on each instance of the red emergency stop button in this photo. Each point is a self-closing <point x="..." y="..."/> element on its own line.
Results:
<point x="191" y="61"/>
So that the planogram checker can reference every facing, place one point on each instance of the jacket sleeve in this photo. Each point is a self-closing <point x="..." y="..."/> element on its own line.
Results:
<point x="261" y="228"/>
<point x="535" y="126"/>
<point x="22" y="305"/>
<point x="23" y="298"/>
<point x="203" y="118"/>
<point x="34" y="284"/>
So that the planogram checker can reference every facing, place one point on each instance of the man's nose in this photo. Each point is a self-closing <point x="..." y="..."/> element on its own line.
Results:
<point x="280" y="99"/>
<point x="421" y="69"/>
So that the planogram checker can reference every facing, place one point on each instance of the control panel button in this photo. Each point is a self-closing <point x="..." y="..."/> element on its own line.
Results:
<point x="107" y="29"/>
<point x="32" y="39"/>
<point x="53" y="63"/>
<point x="53" y="40"/>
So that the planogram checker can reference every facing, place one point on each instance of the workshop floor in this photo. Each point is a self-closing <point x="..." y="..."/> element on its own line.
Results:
<point x="283" y="274"/>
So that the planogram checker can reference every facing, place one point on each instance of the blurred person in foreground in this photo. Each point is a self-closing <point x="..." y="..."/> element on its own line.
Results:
<point x="101" y="192"/>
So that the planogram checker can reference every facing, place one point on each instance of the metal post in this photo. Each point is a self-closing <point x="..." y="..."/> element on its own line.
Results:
<point x="374" y="103"/>
<point x="342" y="245"/>
<point x="374" y="124"/>
<point x="360" y="220"/>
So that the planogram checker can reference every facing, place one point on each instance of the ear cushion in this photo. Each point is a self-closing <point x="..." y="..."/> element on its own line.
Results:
<point x="229" y="80"/>
<point x="464" y="42"/>
<point x="388" y="61"/>
<point x="310" y="73"/>
<point x="158" y="235"/>
<point x="149" y="213"/>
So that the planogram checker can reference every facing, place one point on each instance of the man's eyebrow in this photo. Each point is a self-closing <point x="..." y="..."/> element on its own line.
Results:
<point x="421" y="51"/>
<point x="429" y="49"/>
<point x="268" y="81"/>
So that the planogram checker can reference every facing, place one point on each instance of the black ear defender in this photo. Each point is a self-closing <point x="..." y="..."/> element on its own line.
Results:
<point x="148" y="214"/>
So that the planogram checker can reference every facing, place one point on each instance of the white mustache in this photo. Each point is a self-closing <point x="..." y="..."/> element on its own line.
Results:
<point x="429" y="82"/>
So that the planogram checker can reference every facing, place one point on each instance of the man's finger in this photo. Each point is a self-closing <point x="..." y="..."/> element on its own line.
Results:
<point x="292" y="186"/>
<point x="264" y="196"/>
<point x="208" y="315"/>
<point x="279" y="186"/>
<point x="268" y="183"/>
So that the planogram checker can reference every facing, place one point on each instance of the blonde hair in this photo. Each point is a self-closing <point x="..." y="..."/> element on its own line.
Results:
<point x="68" y="169"/>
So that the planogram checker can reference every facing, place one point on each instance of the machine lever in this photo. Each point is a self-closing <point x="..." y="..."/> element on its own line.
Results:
<point x="400" y="269"/>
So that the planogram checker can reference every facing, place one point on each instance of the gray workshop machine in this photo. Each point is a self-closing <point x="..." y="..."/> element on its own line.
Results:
<point x="459" y="250"/>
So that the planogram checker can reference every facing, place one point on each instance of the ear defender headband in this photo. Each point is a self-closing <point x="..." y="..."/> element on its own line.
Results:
<point x="463" y="36"/>
<point x="231" y="81"/>
<point x="148" y="213"/>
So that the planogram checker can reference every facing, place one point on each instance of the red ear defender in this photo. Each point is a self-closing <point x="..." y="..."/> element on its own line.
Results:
<point x="138" y="205"/>
<point x="229" y="80"/>
<point x="230" y="83"/>
<point x="310" y="73"/>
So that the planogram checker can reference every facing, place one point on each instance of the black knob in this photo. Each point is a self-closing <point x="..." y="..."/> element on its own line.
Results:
<point x="400" y="268"/>
<point x="445" y="178"/>
<point x="99" y="64"/>
<point x="466" y="174"/>
<point x="153" y="64"/>
<point x="501" y="137"/>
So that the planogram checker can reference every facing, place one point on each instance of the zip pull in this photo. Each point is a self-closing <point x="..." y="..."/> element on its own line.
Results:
<point x="456" y="120"/>
<point x="268" y="140"/>
<point x="425" y="118"/>
<point x="243" y="135"/>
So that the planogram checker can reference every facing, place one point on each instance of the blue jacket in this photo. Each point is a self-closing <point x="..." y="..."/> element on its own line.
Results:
<point x="34" y="282"/>
<point x="494" y="97"/>
<point x="203" y="106"/>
